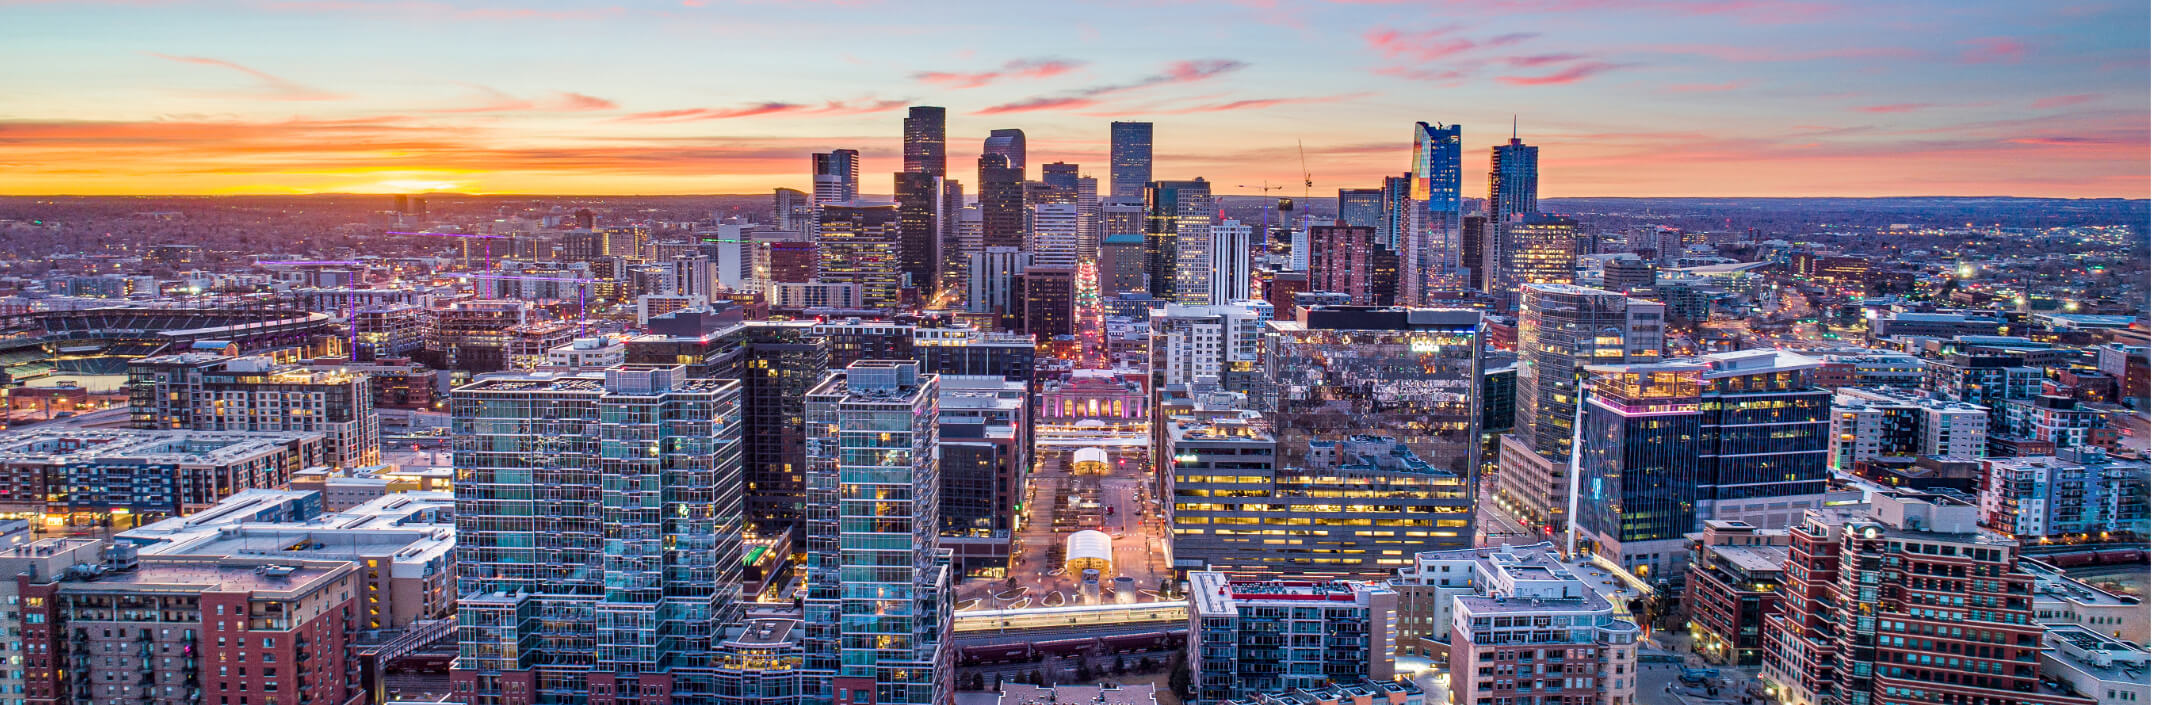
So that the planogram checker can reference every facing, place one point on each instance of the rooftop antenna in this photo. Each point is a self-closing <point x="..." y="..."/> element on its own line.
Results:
<point x="1514" y="128"/>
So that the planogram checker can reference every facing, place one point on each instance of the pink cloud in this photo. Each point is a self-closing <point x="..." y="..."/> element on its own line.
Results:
<point x="273" y="87"/>
<point x="1431" y="44"/>
<point x="1017" y="68"/>
<point x="1766" y="54"/>
<point x="1257" y="103"/>
<point x="1186" y="71"/>
<point x="1567" y="75"/>
<point x="1417" y="74"/>
<point x="1985" y="50"/>
<point x="579" y="101"/>
<point x="1894" y="108"/>
<point x="1540" y="59"/>
<point x="2065" y="100"/>
<point x="830" y="107"/>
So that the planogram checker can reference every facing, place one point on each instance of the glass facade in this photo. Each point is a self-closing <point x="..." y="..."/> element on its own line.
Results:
<point x="1343" y="371"/>
<point x="1132" y="158"/>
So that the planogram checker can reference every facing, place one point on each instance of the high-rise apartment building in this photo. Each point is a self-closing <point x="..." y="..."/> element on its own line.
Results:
<point x="1178" y="216"/>
<point x="1871" y="425"/>
<point x="1258" y="637"/>
<point x="1053" y="236"/>
<point x="835" y="177"/>
<point x="207" y="392"/>
<point x="920" y="198"/>
<point x="1002" y="200"/>
<point x="1191" y="343"/>
<point x="1905" y="601"/>
<point x="1342" y="261"/>
<point x="1540" y="249"/>
<point x="990" y="285"/>
<point x="1561" y="328"/>
<point x="922" y="141"/>
<point x="878" y="615"/>
<point x="599" y="532"/>
<point x="1534" y="630"/>
<point x="1339" y="370"/>
<point x="1229" y="266"/>
<point x="861" y="244"/>
<point x="1513" y="190"/>
<point x="1132" y="159"/>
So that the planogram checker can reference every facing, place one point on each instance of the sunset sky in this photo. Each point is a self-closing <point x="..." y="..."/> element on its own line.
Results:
<point x="1626" y="97"/>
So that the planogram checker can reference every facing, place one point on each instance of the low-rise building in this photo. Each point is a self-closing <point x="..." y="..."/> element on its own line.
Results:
<point x="123" y="478"/>
<point x="1533" y="631"/>
<point x="211" y="392"/>
<point x="1732" y="585"/>
<point x="1270" y="636"/>
<point x="2059" y="598"/>
<point x="2079" y="494"/>
<point x="2107" y="670"/>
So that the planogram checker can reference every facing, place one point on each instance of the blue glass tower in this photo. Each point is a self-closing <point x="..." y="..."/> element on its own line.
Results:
<point x="1436" y="180"/>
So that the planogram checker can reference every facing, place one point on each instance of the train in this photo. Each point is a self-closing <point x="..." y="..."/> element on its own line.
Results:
<point x="1022" y="652"/>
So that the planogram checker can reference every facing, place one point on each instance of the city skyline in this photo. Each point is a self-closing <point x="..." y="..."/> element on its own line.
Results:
<point x="1689" y="98"/>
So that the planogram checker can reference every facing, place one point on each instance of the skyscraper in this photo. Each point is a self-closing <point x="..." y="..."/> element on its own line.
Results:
<point x="1477" y="251"/>
<point x="790" y="209"/>
<point x="859" y="243"/>
<point x="594" y="558"/>
<point x="921" y="200"/>
<point x="1436" y="181"/>
<point x="835" y="177"/>
<point x="1054" y="235"/>
<point x="1402" y="231"/>
<point x="1010" y="144"/>
<point x="1513" y="191"/>
<point x="1342" y="261"/>
<point x="1132" y="158"/>
<point x="1359" y="207"/>
<point x="1002" y="196"/>
<point x="952" y="254"/>
<point x="1064" y="177"/>
<point x="1229" y="267"/>
<point x="879" y="610"/>
<point x="1562" y="328"/>
<point x="922" y="146"/>
<point x="1539" y="249"/>
<point x="1089" y="200"/>
<point x="1177" y="212"/>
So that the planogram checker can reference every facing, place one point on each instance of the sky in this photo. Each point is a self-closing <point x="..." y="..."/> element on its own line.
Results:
<point x="1623" y="97"/>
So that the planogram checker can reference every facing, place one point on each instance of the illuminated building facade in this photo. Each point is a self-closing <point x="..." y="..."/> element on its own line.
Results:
<point x="210" y="392"/>
<point x="1539" y="249"/>
<point x="1561" y="328"/>
<point x="1178" y="215"/>
<point x="861" y="244"/>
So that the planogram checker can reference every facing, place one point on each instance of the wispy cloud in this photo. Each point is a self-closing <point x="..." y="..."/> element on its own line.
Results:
<point x="1434" y="44"/>
<point x="830" y="107"/>
<point x="1993" y="50"/>
<point x="1188" y="71"/>
<point x="1567" y="75"/>
<point x="1772" y="54"/>
<point x="1017" y="68"/>
<point x="1893" y="108"/>
<point x="271" y="86"/>
<point x="1244" y="104"/>
<point x="2062" y="101"/>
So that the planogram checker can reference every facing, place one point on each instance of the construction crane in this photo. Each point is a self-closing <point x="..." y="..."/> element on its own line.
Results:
<point x="1264" y="189"/>
<point x="1305" y="204"/>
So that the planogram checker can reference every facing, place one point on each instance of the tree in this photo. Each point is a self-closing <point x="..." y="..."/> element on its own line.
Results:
<point x="1118" y="666"/>
<point x="1180" y="676"/>
<point x="1012" y="583"/>
<point x="997" y="683"/>
<point x="1082" y="673"/>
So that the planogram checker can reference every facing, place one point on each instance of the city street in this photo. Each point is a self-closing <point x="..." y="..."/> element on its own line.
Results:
<point x="1124" y="513"/>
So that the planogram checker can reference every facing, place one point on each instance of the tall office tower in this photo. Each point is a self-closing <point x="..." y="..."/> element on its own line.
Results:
<point x="922" y="134"/>
<point x="860" y="243"/>
<point x="782" y="361"/>
<point x="1890" y="593"/>
<point x="990" y="281"/>
<point x="1062" y="178"/>
<point x="1359" y="207"/>
<point x="835" y="177"/>
<point x="1512" y="615"/>
<point x="1342" y="261"/>
<point x="1121" y="264"/>
<point x="591" y="561"/>
<point x="1402" y="219"/>
<point x="1537" y="250"/>
<point x="1248" y="638"/>
<point x="1046" y="301"/>
<point x="1003" y="201"/>
<point x="1436" y="181"/>
<point x="1477" y="251"/>
<point x="1125" y="216"/>
<point x="1089" y="202"/>
<point x="789" y="208"/>
<point x="215" y="392"/>
<point x="1386" y="276"/>
<point x="1561" y="328"/>
<point x="952" y="253"/>
<point x="1513" y="191"/>
<point x="878" y="615"/>
<point x="921" y="200"/>
<point x="1132" y="158"/>
<point x="1054" y="235"/>
<point x="1177" y="215"/>
<point x="1229" y="266"/>
<point x="1187" y="344"/>
<point x="1338" y="372"/>
<point x="1010" y="144"/>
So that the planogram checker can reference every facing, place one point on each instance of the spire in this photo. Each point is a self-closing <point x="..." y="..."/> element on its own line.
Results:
<point x="1514" y="133"/>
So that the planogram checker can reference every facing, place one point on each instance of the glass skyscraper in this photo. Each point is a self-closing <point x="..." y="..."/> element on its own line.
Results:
<point x="1177" y="213"/>
<point x="1513" y="191"/>
<point x="1436" y="181"/>
<point x="922" y="147"/>
<point x="1132" y="158"/>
